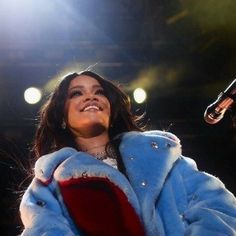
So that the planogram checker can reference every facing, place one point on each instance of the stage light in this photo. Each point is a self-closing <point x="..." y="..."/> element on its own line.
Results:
<point x="32" y="95"/>
<point x="139" y="95"/>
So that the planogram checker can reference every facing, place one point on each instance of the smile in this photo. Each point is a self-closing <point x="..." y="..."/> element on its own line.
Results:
<point x="92" y="108"/>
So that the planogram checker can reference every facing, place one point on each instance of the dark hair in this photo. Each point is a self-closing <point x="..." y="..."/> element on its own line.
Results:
<point x="50" y="136"/>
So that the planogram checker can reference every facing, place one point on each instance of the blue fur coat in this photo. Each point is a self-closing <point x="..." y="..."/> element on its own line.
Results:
<point x="165" y="190"/>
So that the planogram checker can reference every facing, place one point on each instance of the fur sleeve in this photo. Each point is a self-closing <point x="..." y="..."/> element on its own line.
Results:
<point x="211" y="207"/>
<point x="41" y="213"/>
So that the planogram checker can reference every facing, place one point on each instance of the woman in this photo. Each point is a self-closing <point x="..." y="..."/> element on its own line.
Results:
<point x="99" y="173"/>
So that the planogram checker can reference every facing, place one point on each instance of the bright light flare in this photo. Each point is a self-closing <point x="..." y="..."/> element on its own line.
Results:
<point x="139" y="95"/>
<point x="32" y="95"/>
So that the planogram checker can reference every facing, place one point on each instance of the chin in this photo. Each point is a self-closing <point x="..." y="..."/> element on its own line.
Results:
<point x="92" y="130"/>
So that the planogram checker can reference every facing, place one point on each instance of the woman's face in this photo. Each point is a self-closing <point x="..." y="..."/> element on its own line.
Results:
<point x="87" y="109"/>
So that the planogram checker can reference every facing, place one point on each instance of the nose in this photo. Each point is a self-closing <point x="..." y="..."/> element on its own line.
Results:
<point x="90" y="97"/>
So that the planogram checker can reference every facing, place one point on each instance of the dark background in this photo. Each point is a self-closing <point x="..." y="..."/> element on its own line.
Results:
<point x="183" y="52"/>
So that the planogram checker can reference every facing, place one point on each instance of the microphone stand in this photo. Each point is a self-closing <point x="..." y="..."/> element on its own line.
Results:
<point x="233" y="115"/>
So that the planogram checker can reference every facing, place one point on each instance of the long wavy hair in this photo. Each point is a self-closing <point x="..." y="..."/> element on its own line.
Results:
<point x="50" y="136"/>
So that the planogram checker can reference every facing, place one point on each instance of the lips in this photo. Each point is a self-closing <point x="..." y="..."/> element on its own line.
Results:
<point x="90" y="107"/>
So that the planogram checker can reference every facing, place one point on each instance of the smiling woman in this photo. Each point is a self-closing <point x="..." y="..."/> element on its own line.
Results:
<point x="70" y="116"/>
<point x="87" y="111"/>
<point x="99" y="173"/>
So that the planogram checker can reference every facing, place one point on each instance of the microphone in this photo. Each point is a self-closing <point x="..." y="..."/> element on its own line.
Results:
<point x="215" y="111"/>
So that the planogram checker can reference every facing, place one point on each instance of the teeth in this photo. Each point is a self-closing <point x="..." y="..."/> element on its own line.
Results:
<point x="91" y="107"/>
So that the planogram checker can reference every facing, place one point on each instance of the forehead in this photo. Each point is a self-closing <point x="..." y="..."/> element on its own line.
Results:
<point x="84" y="81"/>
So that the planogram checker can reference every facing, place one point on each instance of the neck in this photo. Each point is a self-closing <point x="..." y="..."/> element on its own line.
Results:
<point x="93" y="145"/>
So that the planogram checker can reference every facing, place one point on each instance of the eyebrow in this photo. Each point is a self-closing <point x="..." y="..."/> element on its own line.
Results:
<point x="82" y="87"/>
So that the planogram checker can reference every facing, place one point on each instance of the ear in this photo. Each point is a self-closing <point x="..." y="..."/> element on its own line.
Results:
<point x="63" y="125"/>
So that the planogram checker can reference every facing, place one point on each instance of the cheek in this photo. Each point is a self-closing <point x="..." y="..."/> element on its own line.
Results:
<point x="109" y="110"/>
<point x="70" y="112"/>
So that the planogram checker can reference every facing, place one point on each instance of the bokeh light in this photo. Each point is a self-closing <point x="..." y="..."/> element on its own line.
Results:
<point x="139" y="95"/>
<point x="32" y="95"/>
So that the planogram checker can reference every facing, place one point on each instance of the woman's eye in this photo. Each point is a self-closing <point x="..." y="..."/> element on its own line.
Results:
<point x="75" y="93"/>
<point x="100" y="92"/>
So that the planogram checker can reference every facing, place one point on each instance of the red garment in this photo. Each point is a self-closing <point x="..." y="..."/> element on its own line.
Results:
<point x="99" y="207"/>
